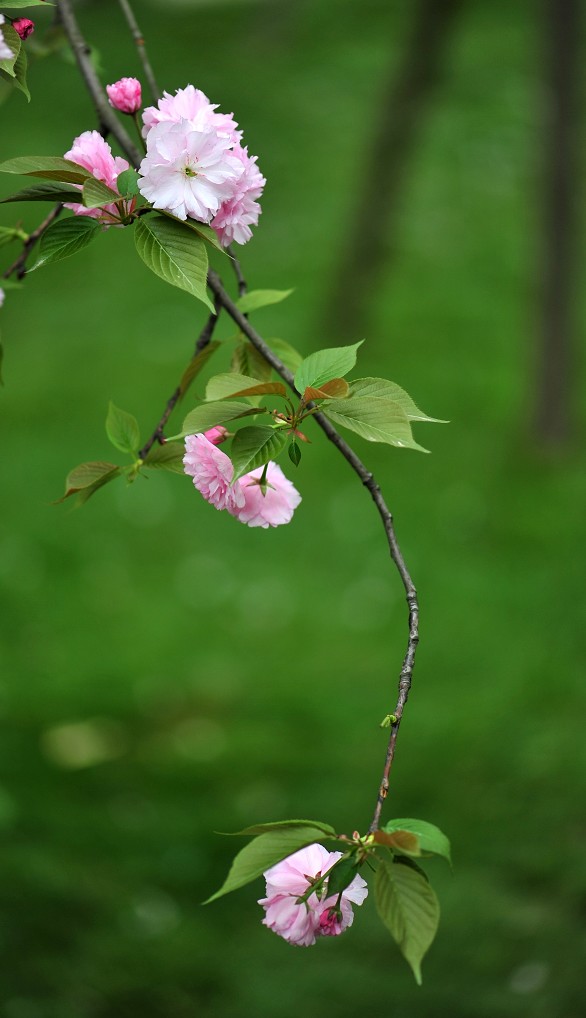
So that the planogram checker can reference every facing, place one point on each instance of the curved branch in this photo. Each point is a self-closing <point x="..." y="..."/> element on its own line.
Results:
<point x="19" y="266"/>
<point x="141" y="49"/>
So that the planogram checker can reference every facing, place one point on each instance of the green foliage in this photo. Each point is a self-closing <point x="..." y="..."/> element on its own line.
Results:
<point x="336" y="388"/>
<point x="324" y="365"/>
<point x="13" y="41"/>
<point x="205" y="232"/>
<point x="431" y="840"/>
<point x="9" y="5"/>
<point x="87" y="478"/>
<point x="373" y="418"/>
<point x="166" y="457"/>
<point x="208" y="415"/>
<point x="47" y="167"/>
<point x="175" y="253"/>
<point x="252" y="447"/>
<point x="127" y="182"/>
<point x="256" y="299"/>
<point x="8" y="234"/>
<point x="290" y="357"/>
<point x="95" y="193"/>
<point x="195" y="366"/>
<point x="342" y="874"/>
<point x="122" y="430"/>
<point x="294" y="453"/>
<point x="65" y="238"/>
<point x="282" y="825"/>
<point x="246" y="360"/>
<point x="266" y="850"/>
<point x="45" y="192"/>
<point x="20" y="71"/>
<point x="382" y="387"/>
<point x="408" y="907"/>
<point x="229" y="384"/>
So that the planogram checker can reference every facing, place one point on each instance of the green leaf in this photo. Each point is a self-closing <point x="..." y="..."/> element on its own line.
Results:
<point x="127" y="182"/>
<point x="246" y="360"/>
<point x="231" y="384"/>
<point x="280" y="825"/>
<point x="206" y="233"/>
<point x="290" y="357"/>
<point x="48" y="167"/>
<point x="20" y="71"/>
<point x="295" y="453"/>
<point x="336" y="388"/>
<point x="324" y="365"/>
<point x="430" y="837"/>
<point x="95" y="193"/>
<point x="174" y="253"/>
<point x="376" y="419"/>
<point x="260" y="299"/>
<point x="1" y="362"/>
<point x="13" y="41"/>
<point x="195" y="366"/>
<point x="8" y="234"/>
<point x="252" y="447"/>
<point x="399" y="841"/>
<point x="390" y="390"/>
<point x="409" y="908"/>
<point x="65" y="238"/>
<point x="166" y="457"/>
<point x="45" y="192"/>
<point x="342" y="875"/>
<point x="122" y="429"/>
<point x="208" y="415"/>
<point x="88" y="476"/>
<point x="10" y="5"/>
<point x="263" y="852"/>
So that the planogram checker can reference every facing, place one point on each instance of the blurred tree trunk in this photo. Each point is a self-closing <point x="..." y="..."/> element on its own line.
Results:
<point x="552" y="413"/>
<point x="368" y="243"/>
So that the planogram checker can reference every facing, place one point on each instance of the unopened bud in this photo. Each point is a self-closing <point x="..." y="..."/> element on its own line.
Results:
<point x="216" y="435"/>
<point x="23" y="27"/>
<point x="125" y="95"/>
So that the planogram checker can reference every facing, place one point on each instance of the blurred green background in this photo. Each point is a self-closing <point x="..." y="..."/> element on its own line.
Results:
<point x="167" y="673"/>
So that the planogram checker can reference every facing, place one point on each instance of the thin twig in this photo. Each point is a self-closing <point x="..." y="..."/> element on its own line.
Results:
<point x="19" y="266"/>
<point x="141" y="48"/>
<point x="240" y="280"/>
<point x="387" y="520"/>
<point x="82" y="52"/>
<point x="203" y="341"/>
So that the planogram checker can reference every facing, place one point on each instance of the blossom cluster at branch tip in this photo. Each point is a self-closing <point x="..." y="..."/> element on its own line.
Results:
<point x="196" y="167"/>
<point x="5" y="51"/>
<point x="23" y="27"/>
<point x="212" y="472"/>
<point x="95" y="155"/>
<point x="302" y="922"/>
<point x="125" y="95"/>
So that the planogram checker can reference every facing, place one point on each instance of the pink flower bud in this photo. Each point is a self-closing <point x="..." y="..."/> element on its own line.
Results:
<point x="23" y="27"/>
<point x="216" y="435"/>
<point x="125" y="95"/>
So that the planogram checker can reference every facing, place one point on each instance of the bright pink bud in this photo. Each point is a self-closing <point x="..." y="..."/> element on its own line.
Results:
<point x="216" y="435"/>
<point x="125" y="95"/>
<point x="23" y="27"/>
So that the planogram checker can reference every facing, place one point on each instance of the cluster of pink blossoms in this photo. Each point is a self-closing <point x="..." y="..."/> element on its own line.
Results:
<point x="195" y="165"/>
<point x="301" y="923"/>
<point x="95" y="155"/>
<point x="212" y="472"/>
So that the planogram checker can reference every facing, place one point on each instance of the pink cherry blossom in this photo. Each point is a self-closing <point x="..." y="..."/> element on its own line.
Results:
<point x="95" y="155"/>
<point x="212" y="473"/>
<point x="188" y="172"/>
<point x="301" y="923"/>
<point x="275" y="507"/>
<point x="236" y="215"/>
<point x="5" y="51"/>
<point x="125" y="95"/>
<point x="23" y="27"/>
<point x="193" y="105"/>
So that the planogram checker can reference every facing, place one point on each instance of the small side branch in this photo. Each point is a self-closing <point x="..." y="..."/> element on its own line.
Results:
<point x="141" y="49"/>
<point x="18" y="267"/>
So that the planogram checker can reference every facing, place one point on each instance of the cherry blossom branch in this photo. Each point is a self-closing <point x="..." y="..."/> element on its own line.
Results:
<point x="19" y="266"/>
<point x="82" y="51"/>
<point x="203" y="341"/>
<point x="141" y="48"/>
<point x="371" y="485"/>
<point x="240" y="280"/>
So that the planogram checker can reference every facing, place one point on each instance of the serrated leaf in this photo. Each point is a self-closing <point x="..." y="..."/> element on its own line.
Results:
<point x="88" y="475"/>
<point x="399" y="841"/>
<point x="65" y="238"/>
<point x="259" y="299"/>
<point x="95" y="194"/>
<point x="230" y="384"/>
<point x="208" y="415"/>
<point x="253" y="447"/>
<point x="262" y="853"/>
<point x="20" y="72"/>
<point x="246" y="360"/>
<point x="278" y="825"/>
<point x="48" y="167"/>
<point x="127" y="182"/>
<point x="375" y="419"/>
<point x="430" y="837"/>
<point x="174" y="253"/>
<point x="336" y="388"/>
<point x="166" y="457"/>
<point x="207" y="233"/>
<point x="324" y="365"/>
<point x="195" y="366"/>
<point x="409" y="909"/>
<point x="45" y="192"/>
<point x="13" y="41"/>
<point x="290" y="357"/>
<point x="122" y="429"/>
<point x="386" y="389"/>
